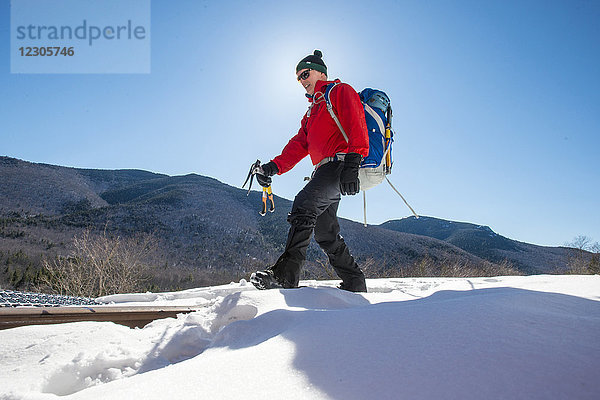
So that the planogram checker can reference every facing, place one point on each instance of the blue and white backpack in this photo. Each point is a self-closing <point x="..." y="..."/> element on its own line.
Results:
<point x="378" y="163"/>
<point x="378" y="115"/>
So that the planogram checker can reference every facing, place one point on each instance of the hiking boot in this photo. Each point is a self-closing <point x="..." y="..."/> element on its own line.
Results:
<point x="360" y="287"/>
<point x="264" y="280"/>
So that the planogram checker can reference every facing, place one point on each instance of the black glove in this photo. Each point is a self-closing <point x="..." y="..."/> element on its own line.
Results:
<point x="349" y="183"/>
<point x="263" y="176"/>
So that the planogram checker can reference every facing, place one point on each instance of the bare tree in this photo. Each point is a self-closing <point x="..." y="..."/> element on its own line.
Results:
<point x="584" y="257"/>
<point x="101" y="265"/>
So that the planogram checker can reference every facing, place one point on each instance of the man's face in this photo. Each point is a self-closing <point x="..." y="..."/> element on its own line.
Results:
<point x="308" y="79"/>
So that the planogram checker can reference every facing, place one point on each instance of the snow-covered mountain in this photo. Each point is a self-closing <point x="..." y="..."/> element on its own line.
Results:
<point x="533" y="337"/>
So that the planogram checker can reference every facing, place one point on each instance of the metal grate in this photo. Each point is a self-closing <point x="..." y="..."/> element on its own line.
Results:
<point x="10" y="298"/>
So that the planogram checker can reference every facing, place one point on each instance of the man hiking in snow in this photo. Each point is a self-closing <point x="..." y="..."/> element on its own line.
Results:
<point x="336" y="164"/>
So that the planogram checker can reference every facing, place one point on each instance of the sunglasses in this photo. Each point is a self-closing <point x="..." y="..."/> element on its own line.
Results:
<point x="304" y="75"/>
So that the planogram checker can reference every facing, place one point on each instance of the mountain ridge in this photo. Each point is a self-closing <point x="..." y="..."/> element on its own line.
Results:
<point x="479" y="240"/>
<point x="202" y="223"/>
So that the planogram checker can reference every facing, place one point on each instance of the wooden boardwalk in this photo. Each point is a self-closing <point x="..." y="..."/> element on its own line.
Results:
<point x="131" y="316"/>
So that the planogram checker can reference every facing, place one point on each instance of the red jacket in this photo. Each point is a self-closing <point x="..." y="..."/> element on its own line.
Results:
<point x="319" y="136"/>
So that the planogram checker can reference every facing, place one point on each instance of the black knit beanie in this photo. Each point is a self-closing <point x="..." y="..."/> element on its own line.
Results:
<point x="313" y="61"/>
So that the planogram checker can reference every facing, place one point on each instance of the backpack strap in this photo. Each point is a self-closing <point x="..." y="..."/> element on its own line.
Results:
<point x="330" y="109"/>
<point x="367" y="108"/>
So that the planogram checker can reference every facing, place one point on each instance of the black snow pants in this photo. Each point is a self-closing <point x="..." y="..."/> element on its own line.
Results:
<point x="315" y="210"/>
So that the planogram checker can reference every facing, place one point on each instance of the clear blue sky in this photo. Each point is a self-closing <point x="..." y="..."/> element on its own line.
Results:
<point x="496" y="103"/>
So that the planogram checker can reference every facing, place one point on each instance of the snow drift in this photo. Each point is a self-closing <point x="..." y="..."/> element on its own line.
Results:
<point x="531" y="337"/>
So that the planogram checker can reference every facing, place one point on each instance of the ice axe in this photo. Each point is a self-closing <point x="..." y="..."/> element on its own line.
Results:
<point x="267" y="191"/>
<point x="254" y="169"/>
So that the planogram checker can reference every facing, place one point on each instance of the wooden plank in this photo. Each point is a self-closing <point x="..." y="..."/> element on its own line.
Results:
<point x="131" y="316"/>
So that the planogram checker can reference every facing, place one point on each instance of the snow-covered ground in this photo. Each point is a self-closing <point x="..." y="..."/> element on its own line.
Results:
<point x="535" y="337"/>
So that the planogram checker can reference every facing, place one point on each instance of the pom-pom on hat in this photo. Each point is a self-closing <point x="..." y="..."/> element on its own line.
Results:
<point x="313" y="61"/>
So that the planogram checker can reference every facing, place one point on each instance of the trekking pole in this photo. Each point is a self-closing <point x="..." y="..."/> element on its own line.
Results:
<point x="388" y="159"/>
<point x="402" y="197"/>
